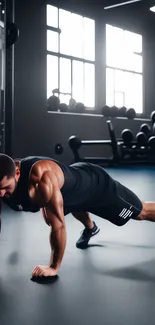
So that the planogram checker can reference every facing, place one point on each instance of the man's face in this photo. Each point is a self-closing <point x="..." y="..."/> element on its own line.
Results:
<point x="7" y="186"/>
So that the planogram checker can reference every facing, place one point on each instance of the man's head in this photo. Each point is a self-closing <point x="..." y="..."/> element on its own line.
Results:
<point x="9" y="175"/>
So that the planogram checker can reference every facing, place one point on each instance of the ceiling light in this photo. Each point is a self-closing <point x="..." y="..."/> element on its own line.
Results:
<point x="121" y="4"/>
<point x="152" y="8"/>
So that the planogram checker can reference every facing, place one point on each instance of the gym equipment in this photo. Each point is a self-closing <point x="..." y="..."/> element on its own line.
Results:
<point x="72" y="105"/>
<point x="151" y="144"/>
<point x="12" y="34"/>
<point x="110" y="111"/>
<point x="75" y="143"/>
<point x="141" y="139"/>
<point x="153" y="117"/>
<point x="130" y="113"/>
<point x="127" y="137"/>
<point x="145" y="128"/>
<point x="125" y="150"/>
<point x="106" y="111"/>
<point x="122" y="111"/>
<point x="153" y="129"/>
<point x="63" y="107"/>
<point x="118" y="112"/>
<point x="58" y="149"/>
<point x="80" y="108"/>
<point x="53" y="103"/>
<point x="113" y="111"/>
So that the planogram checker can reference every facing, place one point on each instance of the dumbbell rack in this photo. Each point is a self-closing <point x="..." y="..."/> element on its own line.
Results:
<point x="121" y="154"/>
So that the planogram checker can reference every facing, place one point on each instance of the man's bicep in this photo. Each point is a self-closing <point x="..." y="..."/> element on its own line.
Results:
<point x="42" y="191"/>
<point x="48" y="196"/>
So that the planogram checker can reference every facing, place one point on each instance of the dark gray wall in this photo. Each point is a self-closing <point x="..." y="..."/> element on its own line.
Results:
<point x="35" y="131"/>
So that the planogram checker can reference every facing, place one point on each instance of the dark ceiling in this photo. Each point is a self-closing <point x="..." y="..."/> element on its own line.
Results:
<point x="139" y="11"/>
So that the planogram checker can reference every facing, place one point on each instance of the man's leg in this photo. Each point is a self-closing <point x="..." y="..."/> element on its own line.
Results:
<point x="90" y="230"/>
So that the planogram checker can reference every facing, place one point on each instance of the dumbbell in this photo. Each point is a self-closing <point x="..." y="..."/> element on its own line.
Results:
<point x="63" y="107"/>
<point x="74" y="142"/>
<point x="130" y="113"/>
<point x="80" y="108"/>
<point x="153" y="117"/>
<point x="151" y="144"/>
<point x="146" y="129"/>
<point x="106" y="111"/>
<point x="122" y="111"/>
<point x="141" y="139"/>
<point x="53" y="103"/>
<point x="127" y="137"/>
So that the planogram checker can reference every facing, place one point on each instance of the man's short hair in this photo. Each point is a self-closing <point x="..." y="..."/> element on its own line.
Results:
<point x="7" y="166"/>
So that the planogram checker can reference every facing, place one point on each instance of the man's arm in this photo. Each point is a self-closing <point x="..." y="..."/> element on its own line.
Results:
<point x="55" y="213"/>
<point x="49" y="195"/>
<point x="58" y="244"/>
<point x="59" y="235"/>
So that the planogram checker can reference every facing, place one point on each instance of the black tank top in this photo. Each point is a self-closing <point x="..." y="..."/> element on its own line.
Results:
<point x="84" y="186"/>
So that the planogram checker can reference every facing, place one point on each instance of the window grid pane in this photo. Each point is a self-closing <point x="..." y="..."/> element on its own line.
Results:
<point x="89" y="39"/>
<point x="89" y="85"/>
<point x="109" y="87"/>
<point x="78" y="86"/>
<point x="76" y="30"/>
<point x="65" y="75"/>
<point x="65" y="23"/>
<point x="119" y="99"/>
<point x="52" y="16"/>
<point x="133" y="42"/>
<point x="52" y="74"/>
<point x="119" y="81"/>
<point x="52" y="41"/>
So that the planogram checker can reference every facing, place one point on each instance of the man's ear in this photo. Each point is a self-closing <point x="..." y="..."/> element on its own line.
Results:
<point x="17" y="170"/>
<point x="17" y="163"/>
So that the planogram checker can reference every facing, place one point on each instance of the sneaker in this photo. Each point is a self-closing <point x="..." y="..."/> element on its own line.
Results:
<point x="86" y="235"/>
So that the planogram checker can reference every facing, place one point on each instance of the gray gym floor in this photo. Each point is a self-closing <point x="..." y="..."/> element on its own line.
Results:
<point x="111" y="282"/>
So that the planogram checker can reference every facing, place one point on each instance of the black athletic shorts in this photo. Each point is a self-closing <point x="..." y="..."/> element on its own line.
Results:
<point x="121" y="205"/>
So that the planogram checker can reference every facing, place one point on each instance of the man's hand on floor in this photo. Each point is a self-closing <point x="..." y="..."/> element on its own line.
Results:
<point x="46" y="271"/>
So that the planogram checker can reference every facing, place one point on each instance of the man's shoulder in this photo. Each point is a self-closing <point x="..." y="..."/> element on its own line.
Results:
<point x="41" y="167"/>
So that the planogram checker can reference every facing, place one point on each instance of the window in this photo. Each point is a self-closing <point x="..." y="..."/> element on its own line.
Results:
<point x="124" y="69"/>
<point x="70" y="56"/>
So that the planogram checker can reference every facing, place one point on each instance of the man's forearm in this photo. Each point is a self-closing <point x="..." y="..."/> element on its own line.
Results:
<point x="58" y="244"/>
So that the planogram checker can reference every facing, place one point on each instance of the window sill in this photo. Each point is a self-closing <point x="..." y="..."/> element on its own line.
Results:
<point x="143" y="118"/>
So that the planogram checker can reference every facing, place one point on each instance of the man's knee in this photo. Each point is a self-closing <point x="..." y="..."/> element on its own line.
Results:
<point x="143" y="213"/>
